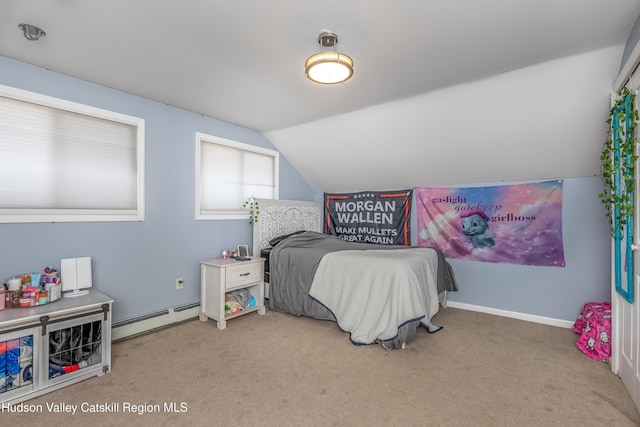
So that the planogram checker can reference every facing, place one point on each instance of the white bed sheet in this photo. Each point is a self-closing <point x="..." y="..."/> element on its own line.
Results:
<point x="396" y="285"/>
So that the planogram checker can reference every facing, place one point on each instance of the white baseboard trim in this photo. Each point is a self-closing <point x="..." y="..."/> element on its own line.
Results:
<point x="512" y="314"/>
<point x="172" y="316"/>
<point x="142" y="326"/>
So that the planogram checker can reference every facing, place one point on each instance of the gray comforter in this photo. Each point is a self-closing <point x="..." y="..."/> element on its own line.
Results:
<point x="293" y="263"/>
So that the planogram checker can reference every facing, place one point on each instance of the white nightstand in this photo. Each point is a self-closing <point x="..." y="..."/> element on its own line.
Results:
<point x="218" y="276"/>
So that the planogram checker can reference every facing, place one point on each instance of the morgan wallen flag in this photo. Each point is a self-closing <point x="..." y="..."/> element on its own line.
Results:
<point x="380" y="217"/>
<point x="515" y="224"/>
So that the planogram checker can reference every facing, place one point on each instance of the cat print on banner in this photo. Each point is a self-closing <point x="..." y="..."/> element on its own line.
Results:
<point x="515" y="224"/>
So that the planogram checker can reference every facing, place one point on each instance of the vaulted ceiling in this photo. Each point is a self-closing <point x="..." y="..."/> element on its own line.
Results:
<point x="242" y="61"/>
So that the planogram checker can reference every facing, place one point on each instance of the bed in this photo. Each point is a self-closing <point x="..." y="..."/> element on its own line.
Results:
<point x="378" y="294"/>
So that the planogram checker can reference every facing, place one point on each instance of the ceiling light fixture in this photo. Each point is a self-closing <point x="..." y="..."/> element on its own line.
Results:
<point x="31" y="32"/>
<point x="328" y="67"/>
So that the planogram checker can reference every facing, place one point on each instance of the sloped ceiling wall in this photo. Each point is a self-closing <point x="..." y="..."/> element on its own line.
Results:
<point x="541" y="122"/>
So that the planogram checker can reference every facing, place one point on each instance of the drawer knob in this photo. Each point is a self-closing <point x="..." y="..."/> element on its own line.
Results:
<point x="245" y="274"/>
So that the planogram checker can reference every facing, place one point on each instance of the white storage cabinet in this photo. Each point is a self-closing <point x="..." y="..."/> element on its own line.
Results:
<point x="44" y="348"/>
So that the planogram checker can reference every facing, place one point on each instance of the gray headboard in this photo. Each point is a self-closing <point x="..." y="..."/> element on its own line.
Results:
<point x="278" y="217"/>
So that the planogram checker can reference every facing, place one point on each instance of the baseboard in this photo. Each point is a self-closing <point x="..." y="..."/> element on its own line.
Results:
<point x="171" y="316"/>
<point x="165" y="318"/>
<point x="512" y="314"/>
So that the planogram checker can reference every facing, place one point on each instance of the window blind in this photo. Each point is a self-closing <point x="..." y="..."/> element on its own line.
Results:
<point x="231" y="172"/>
<point x="65" y="165"/>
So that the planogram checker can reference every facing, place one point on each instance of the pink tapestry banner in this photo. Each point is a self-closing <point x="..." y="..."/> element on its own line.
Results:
<point x="515" y="224"/>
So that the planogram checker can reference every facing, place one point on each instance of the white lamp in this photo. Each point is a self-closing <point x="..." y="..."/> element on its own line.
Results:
<point x="328" y="67"/>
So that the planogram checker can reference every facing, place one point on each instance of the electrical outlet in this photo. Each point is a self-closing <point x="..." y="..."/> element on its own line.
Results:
<point x="179" y="283"/>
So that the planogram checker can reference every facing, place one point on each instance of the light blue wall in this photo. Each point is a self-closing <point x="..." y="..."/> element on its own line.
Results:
<point x="553" y="292"/>
<point x="136" y="263"/>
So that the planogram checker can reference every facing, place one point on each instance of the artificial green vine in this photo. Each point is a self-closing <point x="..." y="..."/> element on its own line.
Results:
<point x="623" y="161"/>
<point x="254" y="209"/>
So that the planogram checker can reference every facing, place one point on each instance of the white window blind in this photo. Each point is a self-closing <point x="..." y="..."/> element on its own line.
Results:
<point x="229" y="172"/>
<point x="61" y="161"/>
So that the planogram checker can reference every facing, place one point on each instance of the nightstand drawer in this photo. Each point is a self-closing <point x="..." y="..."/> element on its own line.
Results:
<point x="239" y="275"/>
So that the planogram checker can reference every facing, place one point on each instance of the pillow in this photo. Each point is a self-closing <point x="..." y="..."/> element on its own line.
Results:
<point x="279" y="239"/>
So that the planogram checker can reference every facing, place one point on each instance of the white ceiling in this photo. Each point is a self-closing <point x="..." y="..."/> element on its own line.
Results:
<point x="242" y="61"/>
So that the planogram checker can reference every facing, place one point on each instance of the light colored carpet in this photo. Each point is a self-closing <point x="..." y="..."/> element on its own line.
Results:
<point x="274" y="370"/>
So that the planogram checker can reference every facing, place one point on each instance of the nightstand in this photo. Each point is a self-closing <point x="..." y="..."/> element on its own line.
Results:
<point x="219" y="276"/>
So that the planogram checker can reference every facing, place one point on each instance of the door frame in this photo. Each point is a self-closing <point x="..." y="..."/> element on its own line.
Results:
<point x="625" y="341"/>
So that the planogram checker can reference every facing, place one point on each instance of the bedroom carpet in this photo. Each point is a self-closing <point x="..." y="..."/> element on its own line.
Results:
<point x="276" y="369"/>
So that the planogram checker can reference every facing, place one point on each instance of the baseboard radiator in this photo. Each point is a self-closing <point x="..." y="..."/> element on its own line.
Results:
<point x="151" y="321"/>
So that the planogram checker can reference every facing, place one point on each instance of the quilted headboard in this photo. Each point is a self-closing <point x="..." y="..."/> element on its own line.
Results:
<point x="278" y="217"/>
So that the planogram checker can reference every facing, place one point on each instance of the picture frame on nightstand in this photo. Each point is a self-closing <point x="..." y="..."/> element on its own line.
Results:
<point x="242" y="251"/>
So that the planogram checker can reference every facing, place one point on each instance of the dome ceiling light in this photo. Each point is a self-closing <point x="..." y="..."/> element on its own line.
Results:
<point x="328" y="66"/>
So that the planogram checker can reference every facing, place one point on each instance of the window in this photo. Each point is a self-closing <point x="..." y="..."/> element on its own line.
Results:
<point x="62" y="161"/>
<point x="228" y="173"/>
